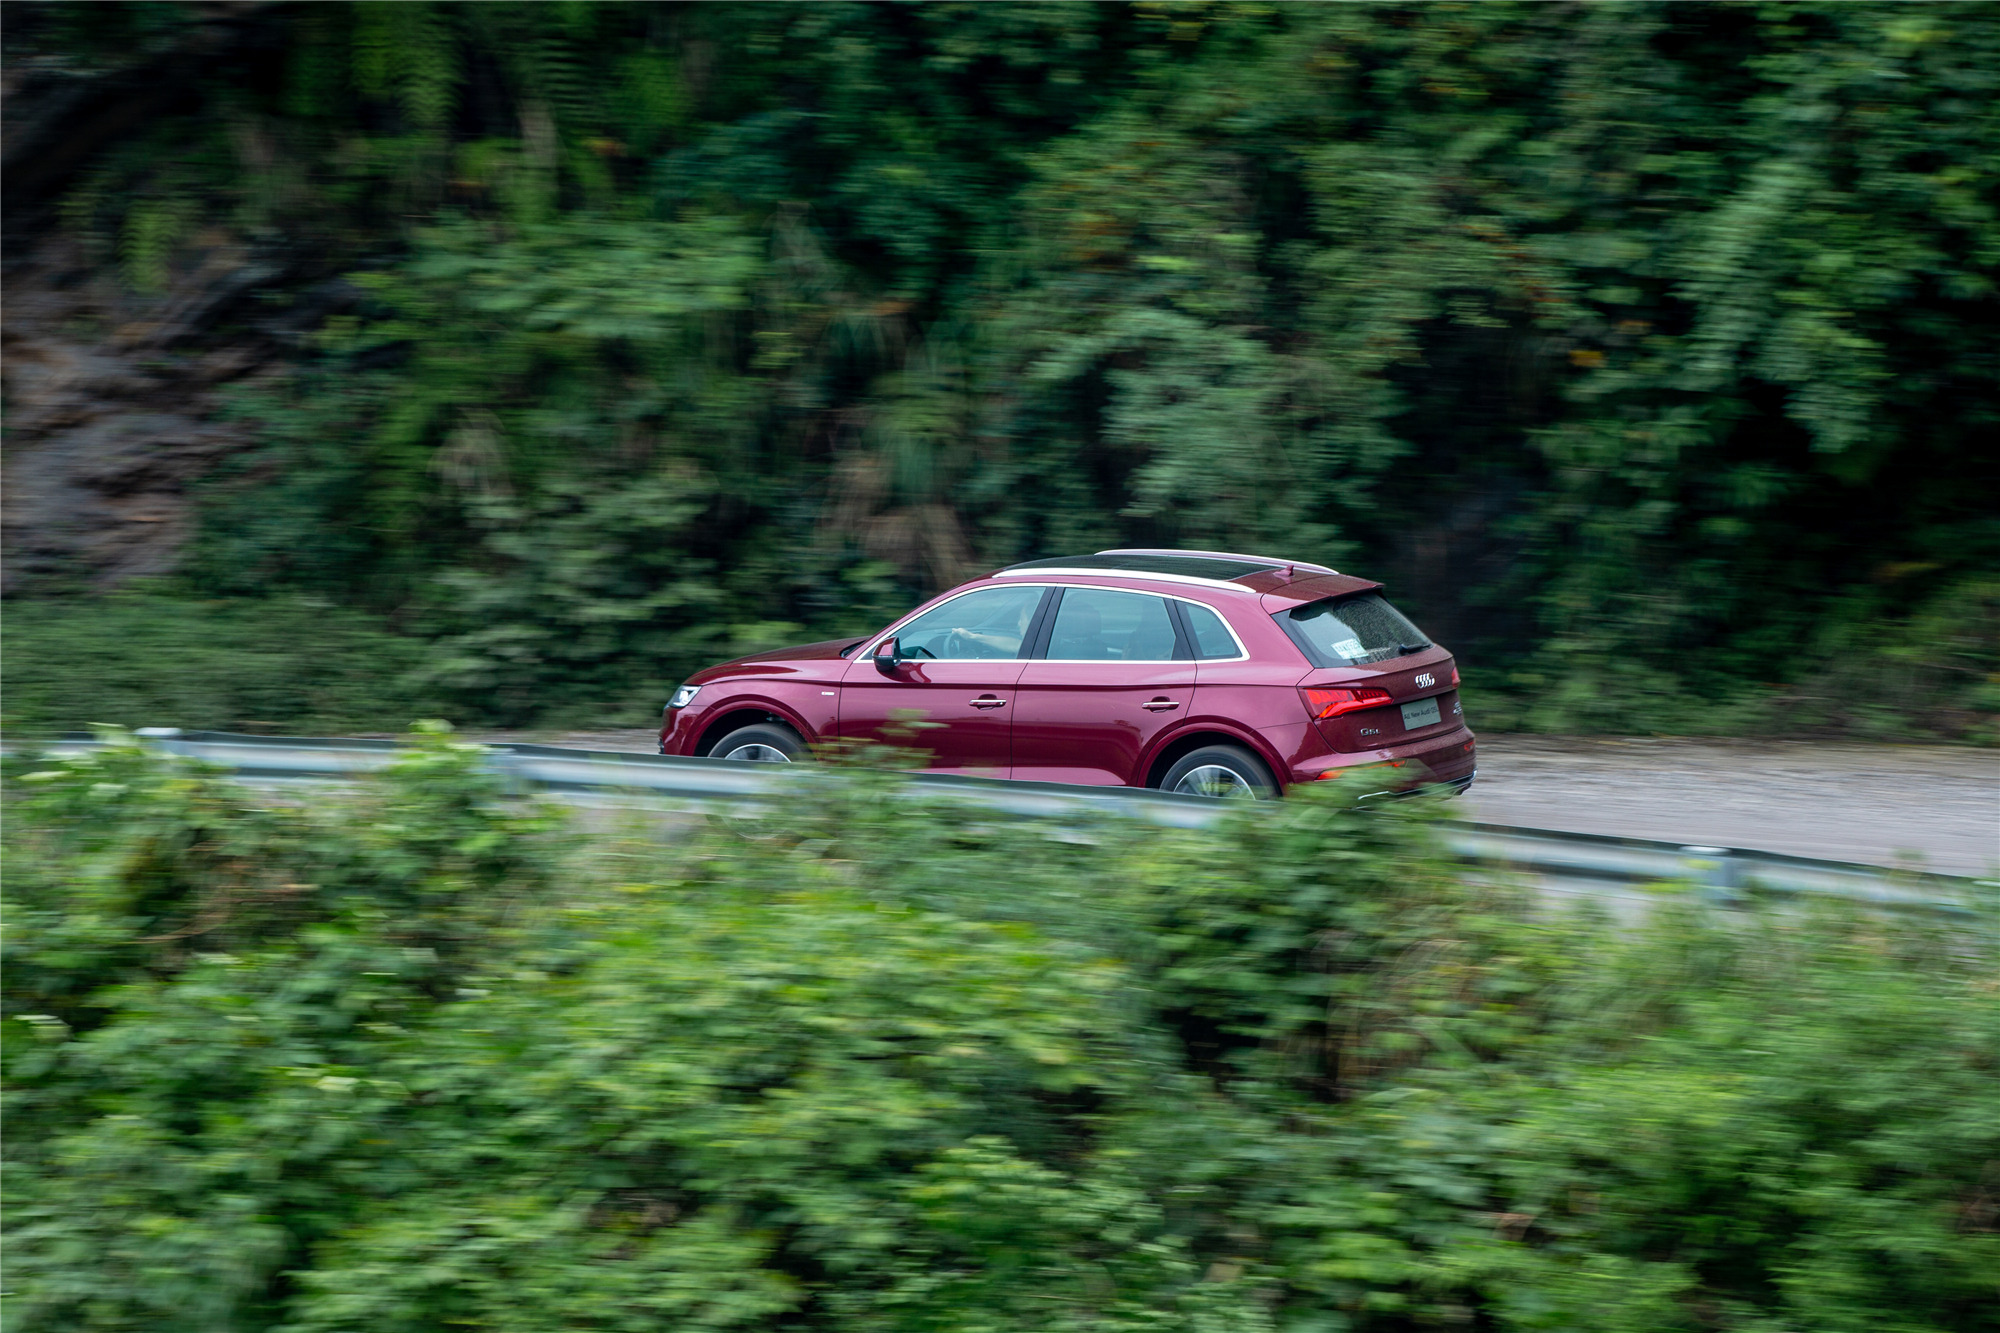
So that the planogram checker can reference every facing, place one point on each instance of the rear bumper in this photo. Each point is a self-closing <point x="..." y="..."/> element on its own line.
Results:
<point x="1447" y="760"/>
<point x="1457" y="787"/>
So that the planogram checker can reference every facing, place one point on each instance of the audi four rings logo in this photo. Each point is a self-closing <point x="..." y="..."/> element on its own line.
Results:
<point x="1426" y="679"/>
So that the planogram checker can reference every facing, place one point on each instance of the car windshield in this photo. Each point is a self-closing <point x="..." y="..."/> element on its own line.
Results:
<point x="988" y="623"/>
<point x="1352" y="631"/>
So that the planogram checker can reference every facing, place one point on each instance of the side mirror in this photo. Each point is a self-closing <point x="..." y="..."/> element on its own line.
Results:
<point x="888" y="655"/>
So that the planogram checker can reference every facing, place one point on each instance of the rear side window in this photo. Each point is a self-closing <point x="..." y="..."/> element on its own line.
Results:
<point x="1211" y="636"/>
<point x="1099" y="625"/>
<point x="1352" y="631"/>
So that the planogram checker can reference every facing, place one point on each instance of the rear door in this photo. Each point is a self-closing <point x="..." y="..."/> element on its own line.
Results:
<point x="955" y="697"/>
<point x="1115" y="671"/>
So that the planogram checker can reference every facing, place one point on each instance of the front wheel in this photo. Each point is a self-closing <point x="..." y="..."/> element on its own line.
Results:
<point x="1224" y="771"/>
<point x="761" y="743"/>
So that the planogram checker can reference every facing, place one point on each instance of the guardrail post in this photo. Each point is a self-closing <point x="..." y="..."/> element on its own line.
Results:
<point x="1718" y="872"/>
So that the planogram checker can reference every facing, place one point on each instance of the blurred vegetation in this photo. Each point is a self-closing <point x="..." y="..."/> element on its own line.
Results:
<point x="146" y="657"/>
<point x="1648" y="349"/>
<point x="418" y="1058"/>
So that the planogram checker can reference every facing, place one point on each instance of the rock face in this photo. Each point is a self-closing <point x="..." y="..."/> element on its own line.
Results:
<point x="111" y="397"/>
<point x="112" y="411"/>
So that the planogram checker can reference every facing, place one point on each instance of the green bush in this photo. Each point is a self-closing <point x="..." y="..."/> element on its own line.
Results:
<point x="152" y="658"/>
<point x="423" y="1059"/>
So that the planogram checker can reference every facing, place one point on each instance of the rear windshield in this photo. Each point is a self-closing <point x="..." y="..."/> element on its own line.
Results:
<point x="1352" y="631"/>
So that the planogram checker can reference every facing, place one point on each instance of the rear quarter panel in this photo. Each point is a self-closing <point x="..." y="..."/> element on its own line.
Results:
<point x="1256" y="697"/>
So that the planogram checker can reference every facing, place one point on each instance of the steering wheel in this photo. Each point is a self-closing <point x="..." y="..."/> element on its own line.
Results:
<point x="959" y="644"/>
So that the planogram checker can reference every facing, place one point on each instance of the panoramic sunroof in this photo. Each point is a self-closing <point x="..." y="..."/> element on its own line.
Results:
<point x="1190" y="566"/>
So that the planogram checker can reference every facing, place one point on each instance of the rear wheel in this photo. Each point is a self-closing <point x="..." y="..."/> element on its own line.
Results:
<point x="761" y="743"/>
<point x="1224" y="771"/>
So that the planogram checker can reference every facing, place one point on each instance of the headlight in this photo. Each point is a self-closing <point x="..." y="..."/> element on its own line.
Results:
<point x="684" y="696"/>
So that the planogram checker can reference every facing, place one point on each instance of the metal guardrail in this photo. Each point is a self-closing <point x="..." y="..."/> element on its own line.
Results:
<point x="1574" y="862"/>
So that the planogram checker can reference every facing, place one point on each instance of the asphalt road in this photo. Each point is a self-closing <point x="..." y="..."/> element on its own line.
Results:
<point x="1925" y="807"/>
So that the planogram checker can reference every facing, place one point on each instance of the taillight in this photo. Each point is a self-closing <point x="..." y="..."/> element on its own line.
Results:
<point x="1454" y="675"/>
<point x="1325" y="701"/>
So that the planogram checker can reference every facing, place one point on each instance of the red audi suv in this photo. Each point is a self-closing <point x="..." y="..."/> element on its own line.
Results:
<point x="1191" y="671"/>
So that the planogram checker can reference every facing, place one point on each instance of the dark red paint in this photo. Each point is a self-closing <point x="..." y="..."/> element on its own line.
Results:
<point x="974" y="702"/>
<point x="1106" y="723"/>
<point x="1096" y="722"/>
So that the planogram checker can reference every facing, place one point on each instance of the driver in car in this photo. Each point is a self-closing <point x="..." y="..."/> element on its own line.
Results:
<point x="993" y="636"/>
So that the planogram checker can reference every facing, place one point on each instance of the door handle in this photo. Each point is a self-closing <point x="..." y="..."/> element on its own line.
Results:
<point x="1159" y="705"/>
<point x="988" y="701"/>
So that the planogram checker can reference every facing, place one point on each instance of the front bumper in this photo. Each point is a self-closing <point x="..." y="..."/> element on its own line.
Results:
<point x="677" y="732"/>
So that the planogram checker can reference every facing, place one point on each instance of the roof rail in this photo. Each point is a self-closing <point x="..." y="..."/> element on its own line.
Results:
<point x="1220" y="555"/>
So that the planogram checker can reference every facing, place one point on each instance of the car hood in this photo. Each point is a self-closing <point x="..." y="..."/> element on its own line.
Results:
<point x="774" y="660"/>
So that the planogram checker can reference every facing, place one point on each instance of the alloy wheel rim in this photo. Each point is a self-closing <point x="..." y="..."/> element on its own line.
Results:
<point x="1217" y="781"/>
<point x="756" y="752"/>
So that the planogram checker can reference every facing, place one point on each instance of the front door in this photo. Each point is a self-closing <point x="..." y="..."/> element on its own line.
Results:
<point x="1106" y="685"/>
<point x="954" y="696"/>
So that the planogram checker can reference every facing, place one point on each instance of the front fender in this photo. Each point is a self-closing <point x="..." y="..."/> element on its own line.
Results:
<point x="765" y="701"/>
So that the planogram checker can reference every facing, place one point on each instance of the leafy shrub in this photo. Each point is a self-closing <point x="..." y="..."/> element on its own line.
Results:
<point x="417" y="1060"/>
<point x="151" y="658"/>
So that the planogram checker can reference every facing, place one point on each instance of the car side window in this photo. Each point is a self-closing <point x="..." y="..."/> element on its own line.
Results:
<point x="1099" y="625"/>
<point x="984" y="624"/>
<point x="1211" y="637"/>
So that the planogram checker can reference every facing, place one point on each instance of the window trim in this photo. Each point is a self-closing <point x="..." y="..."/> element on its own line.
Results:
<point x="1035" y="621"/>
<point x="1242" y="652"/>
<point x="1045" y="623"/>
<point x="1181" y="643"/>
<point x="1187" y="631"/>
<point x="1041" y="627"/>
<point x="1182" y="638"/>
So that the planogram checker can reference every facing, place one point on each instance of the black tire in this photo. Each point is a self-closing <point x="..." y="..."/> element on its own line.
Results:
<point x="1202" y="773"/>
<point x="761" y="743"/>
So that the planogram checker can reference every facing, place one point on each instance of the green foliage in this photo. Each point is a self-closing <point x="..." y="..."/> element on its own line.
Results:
<point x="1793" y="1119"/>
<point x="271" y="950"/>
<point x="413" y="1060"/>
<point x="1645" y="348"/>
<point x="149" y="657"/>
<point x="533" y="490"/>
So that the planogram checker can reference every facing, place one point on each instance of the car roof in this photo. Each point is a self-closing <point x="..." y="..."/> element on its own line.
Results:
<point x="1287" y="581"/>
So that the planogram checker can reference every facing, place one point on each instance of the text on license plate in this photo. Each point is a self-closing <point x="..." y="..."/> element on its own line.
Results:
<point x="1422" y="713"/>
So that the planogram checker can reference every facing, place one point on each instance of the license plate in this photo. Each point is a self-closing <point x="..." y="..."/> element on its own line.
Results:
<point x="1422" y="713"/>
